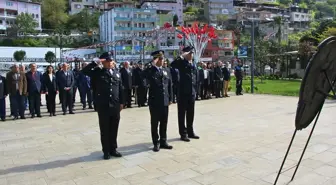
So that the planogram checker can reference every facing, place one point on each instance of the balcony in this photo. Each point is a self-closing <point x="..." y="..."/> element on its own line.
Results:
<point x="120" y="37"/>
<point x="142" y="29"/>
<point x="144" y="19"/>
<point x="122" y="28"/>
<point x="8" y="16"/>
<point x="126" y="19"/>
<point x="134" y="10"/>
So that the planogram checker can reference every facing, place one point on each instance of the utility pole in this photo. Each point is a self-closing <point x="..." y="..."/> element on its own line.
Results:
<point x="252" y="62"/>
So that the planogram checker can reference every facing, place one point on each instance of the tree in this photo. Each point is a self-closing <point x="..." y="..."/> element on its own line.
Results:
<point x="175" y="20"/>
<point x="54" y="13"/>
<point x="84" y="21"/>
<point x="19" y="55"/>
<point x="50" y="57"/>
<point x="331" y="31"/>
<point x="25" y="23"/>
<point x="221" y="19"/>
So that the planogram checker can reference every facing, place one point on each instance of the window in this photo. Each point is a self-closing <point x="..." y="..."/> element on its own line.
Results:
<point x="0" y="21"/>
<point x="78" y="6"/>
<point x="36" y="16"/>
<point x="35" y="7"/>
<point x="8" y="3"/>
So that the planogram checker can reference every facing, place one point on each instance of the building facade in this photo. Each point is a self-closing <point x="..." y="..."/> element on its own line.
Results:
<point x="221" y="48"/>
<point x="121" y="24"/>
<point x="214" y="8"/>
<point x="166" y="9"/>
<point x="9" y="10"/>
<point x="299" y="17"/>
<point x="77" y="6"/>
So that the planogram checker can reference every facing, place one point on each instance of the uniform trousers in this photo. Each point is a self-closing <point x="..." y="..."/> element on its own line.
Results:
<point x="159" y="115"/>
<point x="239" y="83"/>
<point x="175" y="88"/>
<point x="109" y="124"/>
<point x="186" y="111"/>
<point x="17" y="104"/>
<point x="34" y="99"/>
<point x="2" y="108"/>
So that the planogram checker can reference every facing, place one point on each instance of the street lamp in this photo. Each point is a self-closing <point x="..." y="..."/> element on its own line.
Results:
<point x="253" y="20"/>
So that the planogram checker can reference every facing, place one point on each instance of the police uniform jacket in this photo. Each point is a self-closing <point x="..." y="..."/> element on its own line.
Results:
<point x="109" y="90"/>
<point x="160" y="87"/>
<point x="188" y="77"/>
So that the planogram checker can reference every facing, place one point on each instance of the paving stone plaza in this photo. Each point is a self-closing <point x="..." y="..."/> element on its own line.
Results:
<point x="243" y="141"/>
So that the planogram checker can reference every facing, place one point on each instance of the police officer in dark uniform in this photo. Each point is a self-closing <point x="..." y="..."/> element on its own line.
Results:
<point x="239" y="78"/>
<point x="109" y="102"/>
<point x="139" y="80"/>
<point x="160" y="97"/>
<point x="187" y="90"/>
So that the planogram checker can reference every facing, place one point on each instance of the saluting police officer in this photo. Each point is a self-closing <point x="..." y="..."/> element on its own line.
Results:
<point x="160" y="97"/>
<point x="187" y="90"/>
<point x="109" y="102"/>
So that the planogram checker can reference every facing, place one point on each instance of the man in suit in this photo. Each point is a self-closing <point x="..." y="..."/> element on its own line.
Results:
<point x="139" y="80"/>
<point x="160" y="97"/>
<point x="59" y="70"/>
<point x="218" y="78"/>
<point x="84" y="87"/>
<point x="227" y="77"/>
<point x="17" y="90"/>
<point x="75" y="72"/>
<point x="22" y="68"/>
<point x="109" y="102"/>
<point x="3" y="95"/>
<point x="187" y="93"/>
<point x="66" y="81"/>
<point x="200" y="81"/>
<point x="206" y="82"/>
<point x="126" y="78"/>
<point x="239" y="78"/>
<point x="34" y="86"/>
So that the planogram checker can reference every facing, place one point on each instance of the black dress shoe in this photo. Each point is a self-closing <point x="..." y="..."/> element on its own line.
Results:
<point x="90" y="107"/>
<point x="156" y="148"/>
<point x="64" y="113"/>
<point x="22" y="117"/>
<point x="3" y="119"/>
<point x="32" y="116"/>
<point x="166" y="146"/>
<point x="54" y="114"/>
<point x="185" y="139"/>
<point x="39" y="116"/>
<point x="84" y="108"/>
<point x="107" y="156"/>
<point x="193" y="136"/>
<point x="15" y="118"/>
<point x="71" y="113"/>
<point x="115" y="153"/>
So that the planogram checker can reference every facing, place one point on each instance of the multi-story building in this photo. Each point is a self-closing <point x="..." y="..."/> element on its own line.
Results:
<point x="221" y="48"/>
<point x="77" y="6"/>
<point x="299" y="17"/>
<point x="9" y="9"/>
<point x="110" y="5"/>
<point x="166" y="9"/>
<point x="213" y="8"/>
<point x="120" y="23"/>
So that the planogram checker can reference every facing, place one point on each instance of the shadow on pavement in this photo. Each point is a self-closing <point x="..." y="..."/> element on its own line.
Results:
<point x="94" y="156"/>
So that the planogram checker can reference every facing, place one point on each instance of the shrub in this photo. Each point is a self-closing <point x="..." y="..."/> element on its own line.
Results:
<point x="294" y="76"/>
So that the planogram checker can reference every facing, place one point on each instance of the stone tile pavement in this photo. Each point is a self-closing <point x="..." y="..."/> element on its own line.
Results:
<point x="243" y="141"/>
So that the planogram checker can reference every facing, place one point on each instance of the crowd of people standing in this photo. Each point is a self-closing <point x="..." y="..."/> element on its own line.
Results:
<point x="25" y="87"/>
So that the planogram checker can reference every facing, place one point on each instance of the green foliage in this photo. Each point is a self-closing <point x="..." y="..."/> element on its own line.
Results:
<point x="83" y="21"/>
<point x="192" y="9"/>
<point x="25" y="23"/>
<point x="50" y="57"/>
<point x="54" y="13"/>
<point x="274" y="87"/>
<point x="175" y="20"/>
<point x="19" y="55"/>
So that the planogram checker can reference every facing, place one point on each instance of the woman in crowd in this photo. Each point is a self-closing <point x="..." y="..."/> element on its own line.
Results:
<point x="50" y="89"/>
